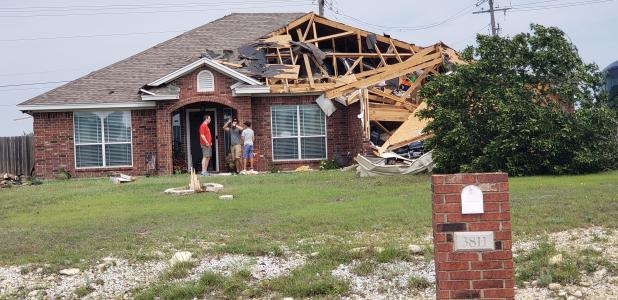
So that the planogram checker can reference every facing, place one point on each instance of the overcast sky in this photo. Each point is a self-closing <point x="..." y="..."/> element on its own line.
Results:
<point x="32" y="52"/>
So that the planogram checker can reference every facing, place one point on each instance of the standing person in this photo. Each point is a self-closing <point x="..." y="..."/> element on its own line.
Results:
<point x="248" y="137"/>
<point x="206" y="144"/>
<point x="234" y="129"/>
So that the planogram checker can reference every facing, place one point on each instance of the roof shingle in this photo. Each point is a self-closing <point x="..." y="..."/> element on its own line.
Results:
<point x="121" y="81"/>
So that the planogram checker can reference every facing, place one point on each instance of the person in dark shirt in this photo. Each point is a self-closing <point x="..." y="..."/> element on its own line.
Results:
<point x="234" y="129"/>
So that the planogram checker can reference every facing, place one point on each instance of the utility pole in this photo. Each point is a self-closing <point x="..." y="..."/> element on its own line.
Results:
<point x="491" y="11"/>
<point x="321" y="4"/>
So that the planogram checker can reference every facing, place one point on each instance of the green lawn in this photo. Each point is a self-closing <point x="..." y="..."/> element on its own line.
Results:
<point x="61" y="222"/>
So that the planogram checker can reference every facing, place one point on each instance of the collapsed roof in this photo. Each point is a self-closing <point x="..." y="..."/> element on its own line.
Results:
<point x="345" y="64"/>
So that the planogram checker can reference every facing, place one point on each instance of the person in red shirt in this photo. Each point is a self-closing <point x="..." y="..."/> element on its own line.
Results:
<point x="206" y="143"/>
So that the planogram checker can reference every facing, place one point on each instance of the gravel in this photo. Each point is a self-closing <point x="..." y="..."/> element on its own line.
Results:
<point x="116" y="277"/>
<point x="388" y="280"/>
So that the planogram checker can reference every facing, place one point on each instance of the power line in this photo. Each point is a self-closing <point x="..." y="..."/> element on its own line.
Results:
<point x="556" y="6"/>
<point x="90" y="36"/>
<point x="32" y="83"/>
<point x="134" y="6"/>
<point x="491" y="11"/>
<point x="451" y="18"/>
<point x="307" y="3"/>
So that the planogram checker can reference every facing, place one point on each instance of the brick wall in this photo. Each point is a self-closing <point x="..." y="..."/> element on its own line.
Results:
<point x="152" y="130"/>
<point x="478" y="274"/>
<point x="54" y="144"/>
<point x="339" y="130"/>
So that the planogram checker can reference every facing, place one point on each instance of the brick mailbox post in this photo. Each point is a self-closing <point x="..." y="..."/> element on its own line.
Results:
<point x="472" y="236"/>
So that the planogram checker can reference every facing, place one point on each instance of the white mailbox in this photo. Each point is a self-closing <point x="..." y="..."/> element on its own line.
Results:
<point x="471" y="200"/>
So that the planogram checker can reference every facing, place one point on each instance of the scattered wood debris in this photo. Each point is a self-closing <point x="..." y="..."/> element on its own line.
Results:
<point x="9" y="180"/>
<point x="122" y="178"/>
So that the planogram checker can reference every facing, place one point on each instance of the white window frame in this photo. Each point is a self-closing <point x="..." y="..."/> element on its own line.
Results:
<point x="102" y="143"/>
<point x="298" y="136"/>
<point x="201" y="89"/>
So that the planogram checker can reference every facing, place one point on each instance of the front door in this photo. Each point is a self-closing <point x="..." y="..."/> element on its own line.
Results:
<point x="195" y="117"/>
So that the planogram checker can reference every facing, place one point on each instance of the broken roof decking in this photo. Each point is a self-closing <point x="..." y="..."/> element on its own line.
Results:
<point x="121" y="82"/>
<point x="349" y="65"/>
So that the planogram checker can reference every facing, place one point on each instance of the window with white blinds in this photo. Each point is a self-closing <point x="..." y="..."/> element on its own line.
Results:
<point x="298" y="132"/>
<point x="205" y="81"/>
<point x="102" y="139"/>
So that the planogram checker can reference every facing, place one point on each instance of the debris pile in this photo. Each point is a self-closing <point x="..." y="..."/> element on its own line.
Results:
<point x="121" y="178"/>
<point x="8" y="180"/>
<point x="195" y="187"/>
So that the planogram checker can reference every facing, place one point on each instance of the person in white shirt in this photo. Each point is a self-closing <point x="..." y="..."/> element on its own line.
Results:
<point x="248" y="138"/>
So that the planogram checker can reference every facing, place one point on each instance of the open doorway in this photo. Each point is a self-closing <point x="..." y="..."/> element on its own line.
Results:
<point x="195" y="117"/>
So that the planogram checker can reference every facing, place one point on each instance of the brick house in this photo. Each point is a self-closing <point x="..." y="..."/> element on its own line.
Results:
<point x="140" y="115"/>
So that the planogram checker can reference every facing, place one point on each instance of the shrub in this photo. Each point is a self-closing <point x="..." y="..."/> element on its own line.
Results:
<point x="526" y="105"/>
<point x="328" y="164"/>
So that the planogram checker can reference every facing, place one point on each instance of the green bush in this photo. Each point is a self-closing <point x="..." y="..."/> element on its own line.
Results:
<point x="328" y="164"/>
<point x="526" y="105"/>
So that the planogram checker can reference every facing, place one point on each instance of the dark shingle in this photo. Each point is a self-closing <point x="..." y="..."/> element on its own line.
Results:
<point x="126" y="77"/>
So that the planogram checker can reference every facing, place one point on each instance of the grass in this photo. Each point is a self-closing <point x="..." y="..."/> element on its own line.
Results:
<point x="177" y="271"/>
<point x="364" y="268"/>
<point x="535" y="265"/>
<point x="83" y="291"/>
<point x="62" y="222"/>
<point x="418" y="283"/>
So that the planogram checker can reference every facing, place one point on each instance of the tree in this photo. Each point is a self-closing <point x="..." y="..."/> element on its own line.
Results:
<point x="524" y="105"/>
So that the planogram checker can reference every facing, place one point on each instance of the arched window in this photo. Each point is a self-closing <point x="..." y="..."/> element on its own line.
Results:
<point x="205" y="81"/>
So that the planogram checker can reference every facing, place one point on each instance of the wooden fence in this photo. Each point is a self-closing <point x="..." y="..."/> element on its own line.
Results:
<point x="17" y="154"/>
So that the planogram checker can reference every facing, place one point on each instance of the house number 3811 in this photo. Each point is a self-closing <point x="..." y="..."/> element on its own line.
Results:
<point x="473" y="240"/>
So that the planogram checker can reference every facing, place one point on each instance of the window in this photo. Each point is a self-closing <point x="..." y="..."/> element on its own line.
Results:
<point x="205" y="81"/>
<point x="102" y="139"/>
<point x="298" y="132"/>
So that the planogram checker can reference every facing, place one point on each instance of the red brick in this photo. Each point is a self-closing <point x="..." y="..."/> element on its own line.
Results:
<point x="452" y="198"/>
<point x="507" y="264"/>
<point x="446" y="294"/>
<point x="453" y="284"/>
<point x="505" y="293"/>
<point x="498" y="274"/>
<point x="484" y="226"/>
<point x="437" y="179"/>
<point x="465" y="294"/>
<point x="493" y="177"/>
<point x="442" y="275"/>
<point x="444" y="247"/>
<point x="491" y="207"/>
<point x="459" y="179"/>
<point x="447" y="208"/>
<point x="485" y="265"/>
<point x="441" y="256"/>
<point x="453" y="266"/>
<point x="505" y="207"/>
<point x="447" y="188"/>
<point x="458" y="217"/>
<point x="504" y="186"/>
<point x="495" y="197"/>
<point x="506" y="225"/>
<point x="496" y="216"/>
<point x="437" y="199"/>
<point x="497" y="255"/>
<point x="485" y="284"/>
<point x="502" y="235"/>
<point x="463" y="256"/>
<point x="465" y="275"/>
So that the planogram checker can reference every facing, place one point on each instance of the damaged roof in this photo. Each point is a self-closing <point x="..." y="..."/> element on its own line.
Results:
<point x="121" y="81"/>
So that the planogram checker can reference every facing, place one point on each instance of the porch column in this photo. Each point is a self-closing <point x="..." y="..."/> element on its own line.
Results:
<point x="164" y="141"/>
